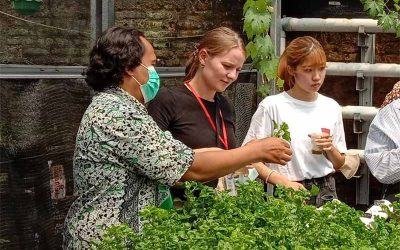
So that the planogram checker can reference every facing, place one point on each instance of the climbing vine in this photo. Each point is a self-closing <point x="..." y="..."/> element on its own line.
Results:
<point x="387" y="18"/>
<point x="257" y="20"/>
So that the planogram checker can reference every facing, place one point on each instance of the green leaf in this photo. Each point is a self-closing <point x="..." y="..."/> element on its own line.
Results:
<point x="387" y="18"/>
<point x="314" y="190"/>
<point x="279" y="83"/>
<point x="249" y="31"/>
<point x="281" y="131"/>
<point x="374" y="7"/>
<point x="261" y="6"/>
<point x="267" y="69"/>
<point x="264" y="46"/>
<point x="398" y="30"/>
<point x="275" y="124"/>
<point x="251" y="50"/>
<point x="261" y="23"/>
<point x="263" y="90"/>
<point x="385" y="22"/>
<point x="249" y="18"/>
<point x="249" y="4"/>
<point x="257" y="21"/>
<point x="270" y="67"/>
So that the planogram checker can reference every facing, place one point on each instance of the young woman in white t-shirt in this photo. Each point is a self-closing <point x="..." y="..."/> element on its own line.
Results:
<point x="303" y="67"/>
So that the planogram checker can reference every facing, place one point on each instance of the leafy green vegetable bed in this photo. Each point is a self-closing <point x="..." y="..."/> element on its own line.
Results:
<point x="254" y="220"/>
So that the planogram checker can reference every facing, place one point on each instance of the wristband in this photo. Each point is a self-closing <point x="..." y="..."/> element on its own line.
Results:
<point x="269" y="175"/>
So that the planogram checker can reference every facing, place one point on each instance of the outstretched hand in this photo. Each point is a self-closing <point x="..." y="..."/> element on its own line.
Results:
<point x="273" y="150"/>
<point x="295" y="185"/>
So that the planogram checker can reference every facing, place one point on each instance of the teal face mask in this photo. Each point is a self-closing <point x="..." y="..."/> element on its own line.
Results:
<point x="150" y="88"/>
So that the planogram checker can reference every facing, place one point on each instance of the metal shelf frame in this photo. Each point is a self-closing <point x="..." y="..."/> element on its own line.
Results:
<point x="102" y="16"/>
<point x="365" y="71"/>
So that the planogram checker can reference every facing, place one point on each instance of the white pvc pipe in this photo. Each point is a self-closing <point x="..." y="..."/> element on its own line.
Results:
<point x="368" y="69"/>
<point x="366" y="113"/>
<point x="332" y="25"/>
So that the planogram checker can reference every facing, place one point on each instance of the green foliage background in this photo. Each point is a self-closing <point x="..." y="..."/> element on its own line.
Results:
<point x="257" y="21"/>
<point x="387" y="18"/>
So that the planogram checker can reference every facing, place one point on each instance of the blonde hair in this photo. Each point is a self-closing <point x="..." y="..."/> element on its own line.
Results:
<point x="299" y="50"/>
<point x="215" y="42"/>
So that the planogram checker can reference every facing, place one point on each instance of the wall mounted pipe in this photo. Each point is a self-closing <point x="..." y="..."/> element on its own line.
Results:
<point x="363" y="112"/>
<point x="332" y="25"/>
<point x="24" y="71"/>
<point x="368" y="69"/>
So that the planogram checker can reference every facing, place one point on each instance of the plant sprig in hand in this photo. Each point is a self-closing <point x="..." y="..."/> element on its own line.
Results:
<point x="281" y="131"/>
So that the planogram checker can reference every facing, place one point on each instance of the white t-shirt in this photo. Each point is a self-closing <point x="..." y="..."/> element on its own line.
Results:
<point x="303" y="119"/>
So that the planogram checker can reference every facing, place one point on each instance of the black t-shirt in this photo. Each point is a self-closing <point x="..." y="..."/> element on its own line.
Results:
<point x="177" y="110"/>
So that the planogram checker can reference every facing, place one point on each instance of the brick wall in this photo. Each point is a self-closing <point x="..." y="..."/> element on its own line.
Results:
<point x="180" y="18"/>
<point x="26" y="43"/>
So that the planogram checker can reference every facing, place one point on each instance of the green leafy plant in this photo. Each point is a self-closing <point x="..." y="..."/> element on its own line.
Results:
<point x="395" y="214"/>
<point x="117" y="237"/>
<point x="281" y="131"/>
<point x="387" y="18"/>
<point x="257" y="21"/>
<point x="252" y="220"/>
<point x="314" y="190"/>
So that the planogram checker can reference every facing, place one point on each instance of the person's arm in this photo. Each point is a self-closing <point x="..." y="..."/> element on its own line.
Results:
<point x="382" y="152"/>
<point x="157" y="155"/>
<point x="384" y="164"/>
<point x="213" y="164"/>
<point x="334" y="146"/>
<point x="265" y="173"/>
<point x="332" y="153"/>
<point x="200" y="150"/>
<point x="273" y="177"/>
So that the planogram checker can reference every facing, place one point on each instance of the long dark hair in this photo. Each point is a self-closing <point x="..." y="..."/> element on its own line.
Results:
<point x="118" y="49"/>
<point x="216" y="41"/>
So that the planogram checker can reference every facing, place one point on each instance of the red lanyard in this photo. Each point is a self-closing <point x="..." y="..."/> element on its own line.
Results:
<point x="223" y="139"/>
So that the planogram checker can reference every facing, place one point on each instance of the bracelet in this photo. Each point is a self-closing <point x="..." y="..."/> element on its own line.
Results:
<point x="269" y="175"/>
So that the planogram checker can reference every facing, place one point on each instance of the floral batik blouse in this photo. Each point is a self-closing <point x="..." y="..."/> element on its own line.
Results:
<point x="121" y="160"/>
